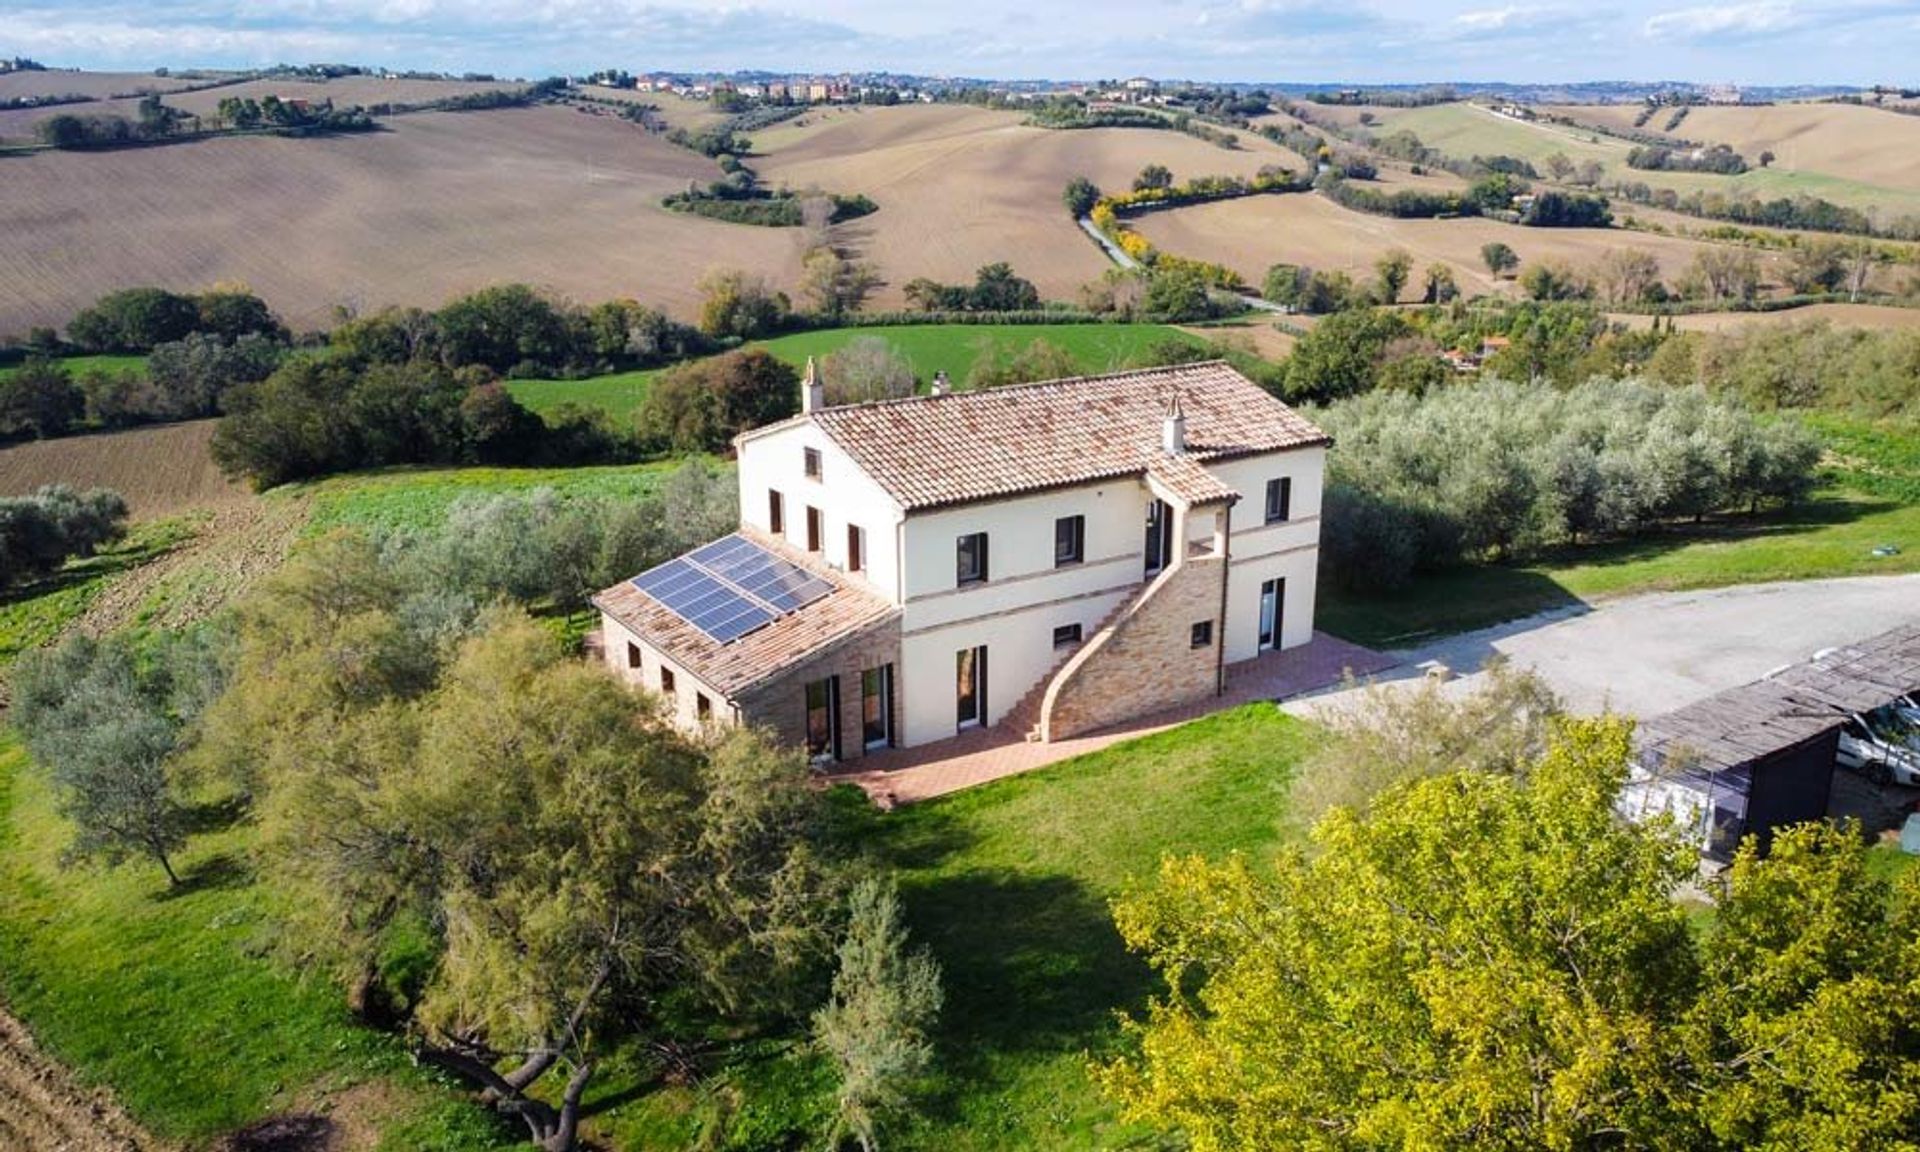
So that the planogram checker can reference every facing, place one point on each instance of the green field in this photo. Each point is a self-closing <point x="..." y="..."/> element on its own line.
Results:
<point x="79" y="365"/>
<point x="930" y="348"/>
<point x="419" y="497"/>
<point x="1464" y="131"/>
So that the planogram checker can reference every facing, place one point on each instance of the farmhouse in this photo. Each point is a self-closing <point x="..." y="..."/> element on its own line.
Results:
<point x="1055" y="557"/>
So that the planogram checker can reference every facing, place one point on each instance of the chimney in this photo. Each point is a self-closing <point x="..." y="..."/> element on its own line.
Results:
<point x="813" y="394"/>
<point x="1173" y="429"/>
<point x="940" y="384"/>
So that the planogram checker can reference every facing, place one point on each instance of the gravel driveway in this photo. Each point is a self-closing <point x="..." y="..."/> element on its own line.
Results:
<point x="1647" y="655"/>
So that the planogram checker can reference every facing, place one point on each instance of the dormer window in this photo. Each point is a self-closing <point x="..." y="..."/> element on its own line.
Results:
<point x="810" y="460"/>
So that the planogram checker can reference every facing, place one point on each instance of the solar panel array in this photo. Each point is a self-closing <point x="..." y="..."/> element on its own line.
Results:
<point x="731" y="587"/>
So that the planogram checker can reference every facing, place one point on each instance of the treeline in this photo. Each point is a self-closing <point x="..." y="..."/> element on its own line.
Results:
<point x="427" y="767"/>
<point x="41" y="532"/>
<point x="724" y="200"/>
<point x="141" y="319"/>
<point x="1069" y="113"/>
<point x="1493" y="195"/>
<point x="1718" y="159"/>
<point x="184" y="380"/>
<point x="1497" y="470"/>
<point x="1809" y="213"/>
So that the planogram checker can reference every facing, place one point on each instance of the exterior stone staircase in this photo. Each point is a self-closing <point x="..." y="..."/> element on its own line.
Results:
<point x="1024" y="716"/>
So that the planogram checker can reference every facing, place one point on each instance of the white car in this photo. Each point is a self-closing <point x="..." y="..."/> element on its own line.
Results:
<point x="1881" y="745"/>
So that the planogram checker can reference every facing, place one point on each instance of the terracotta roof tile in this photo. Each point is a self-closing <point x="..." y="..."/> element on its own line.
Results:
<point x="1188" y="479"/>
<point x="929" y="451"/>
<point x="730" y="669"/>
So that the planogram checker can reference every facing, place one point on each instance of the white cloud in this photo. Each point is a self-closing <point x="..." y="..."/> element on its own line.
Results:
<point x="1727" y="21"/>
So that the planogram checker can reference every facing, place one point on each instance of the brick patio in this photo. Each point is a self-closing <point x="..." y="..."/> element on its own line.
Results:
<point x="906" y="775"/>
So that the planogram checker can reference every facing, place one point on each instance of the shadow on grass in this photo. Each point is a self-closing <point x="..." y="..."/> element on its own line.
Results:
<point x="214" y="815"/>
<point x="295" y="1132"/>
<point x="1031" y="965"/>
<point x="221" y="871"/>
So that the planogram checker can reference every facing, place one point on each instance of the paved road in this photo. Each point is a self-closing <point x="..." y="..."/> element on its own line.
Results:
<point x="1119" y="256"/>
<point x="1647" y="655"/>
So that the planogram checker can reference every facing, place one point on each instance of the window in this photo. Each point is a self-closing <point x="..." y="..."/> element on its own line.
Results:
<point x="1202" y="635"/>
<point x="816" y="528"/>
<point x="1279" y="499"/>
<point x="703" y="707"/>
<point x="810" y="459"/>
<point x="856" y="548"/>
<point x="776" y="513"/>
<point x="633" y="655"/>
<point x="1066" y="634"/>
<point x="971" y="558"/>
<point x="823" y="718"/>
<point x="876" y="707"/>
<point x="1069" y="540"/>
<point x="666" y="681"/>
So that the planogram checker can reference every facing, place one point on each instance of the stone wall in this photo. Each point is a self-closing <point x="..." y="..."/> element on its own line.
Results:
<point x="780" y="704"/>
<point x="1144" y="661"/>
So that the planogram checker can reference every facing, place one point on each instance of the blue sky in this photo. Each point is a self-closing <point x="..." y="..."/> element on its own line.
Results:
<point x="1378" y="41"/>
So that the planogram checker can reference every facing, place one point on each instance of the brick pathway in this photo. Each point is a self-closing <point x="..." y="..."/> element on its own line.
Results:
<point x="905" y="775"/>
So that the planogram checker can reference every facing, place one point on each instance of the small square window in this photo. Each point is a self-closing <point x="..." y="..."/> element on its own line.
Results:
<point x="971" y="558"/>
<point x="1069" y="540"/>
<point x="1279" y="499"/>
<point x="633" y="655"/>
<point x="703" y="707"/>
<point x="666" y="680"/>
<point x="810" y="457"/>
<point x="1202" y="635"/>
<point x="1066" y="634"/>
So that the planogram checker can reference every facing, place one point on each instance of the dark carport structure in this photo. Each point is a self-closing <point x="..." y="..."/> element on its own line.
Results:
<point x="1760" y="756"/>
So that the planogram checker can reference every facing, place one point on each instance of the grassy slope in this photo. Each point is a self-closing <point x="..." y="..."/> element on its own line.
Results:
<point x="1461" y="131"/>
<point x="1870" y="496"/>
<point x="79" y="365"/>
<point x="1007" y="887"/>
<point x="416" y="497"/>
<point x="931" y="348"/>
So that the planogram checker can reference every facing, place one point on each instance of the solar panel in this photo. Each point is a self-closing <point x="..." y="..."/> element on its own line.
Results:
<point x="730" y="587"/>
<point x="783" y="585"/>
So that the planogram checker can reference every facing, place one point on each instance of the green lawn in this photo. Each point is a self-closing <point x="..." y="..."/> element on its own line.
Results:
<point x="170" y="997"/>
<point x="82" y="364"/>
<point x="413" y="497"/>
<point x="931" y="348"/>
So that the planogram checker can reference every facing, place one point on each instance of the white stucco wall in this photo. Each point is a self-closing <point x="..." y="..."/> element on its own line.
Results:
<point x="844" y="494"/>
<point x="1287" y="550"/>
<point x="1025" y="597"/>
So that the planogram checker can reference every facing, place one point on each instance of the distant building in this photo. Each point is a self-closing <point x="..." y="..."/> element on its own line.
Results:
<point x="1722" y="94"/>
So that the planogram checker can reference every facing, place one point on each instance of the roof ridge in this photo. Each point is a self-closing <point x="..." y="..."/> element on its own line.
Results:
<point x="1028" y="385"/>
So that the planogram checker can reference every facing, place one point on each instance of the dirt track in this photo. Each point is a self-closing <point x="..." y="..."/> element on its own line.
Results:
<point x="43" y="1110"/>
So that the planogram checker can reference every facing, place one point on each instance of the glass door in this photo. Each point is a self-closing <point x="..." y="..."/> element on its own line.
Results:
<point x="970" y="665"/>
<point x="1159" y="535"/>
<point x="876" y="707"/>
<point x="823" y="719"/>
<point x="1272" y="596"/>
